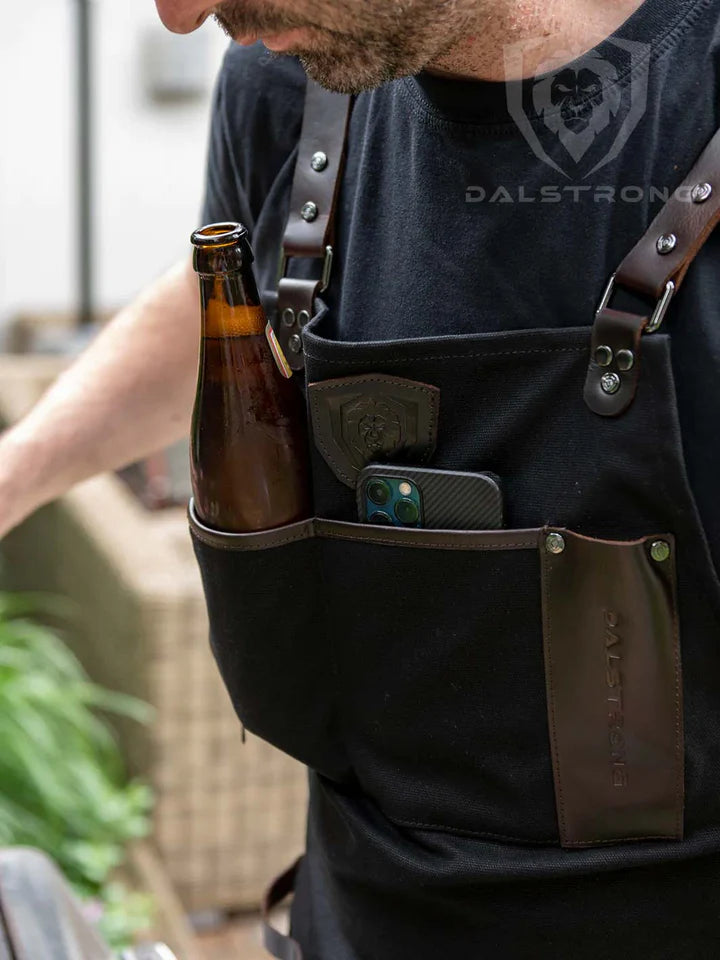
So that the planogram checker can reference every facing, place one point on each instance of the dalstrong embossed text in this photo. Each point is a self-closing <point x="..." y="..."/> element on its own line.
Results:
<point x="616" y="711"/>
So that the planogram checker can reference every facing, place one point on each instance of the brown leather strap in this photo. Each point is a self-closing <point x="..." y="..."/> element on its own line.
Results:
<point x="295" y="308"/>
<point x="311" y="224"/>
<point x="656" y="268"/>
<point x="679" y="232"/>
<point x="317" y="177"/>
<point x="614" y="371"/>
<point x="277" y="944"/>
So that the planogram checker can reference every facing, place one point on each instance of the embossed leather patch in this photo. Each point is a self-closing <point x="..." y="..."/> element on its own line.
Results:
<point x="361" y="420"/>
<point x="612" y="659"/>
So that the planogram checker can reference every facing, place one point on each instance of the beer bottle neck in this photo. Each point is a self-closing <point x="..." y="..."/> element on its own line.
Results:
<point x="230" y="305"/>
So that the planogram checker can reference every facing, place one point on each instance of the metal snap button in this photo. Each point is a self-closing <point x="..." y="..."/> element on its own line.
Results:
<point x="555" y="543"/>
<point x="319" y="161"/>
<point x="295" y="343"/>
<point x="603" y="356"/>
<point x="660" y="551"/>
<point x="666" y="244"/>
<point x="610" y="383"/>
<point x="701" y="192"/>
<point x="309" y="211"/>
<point x="625" y="360"/>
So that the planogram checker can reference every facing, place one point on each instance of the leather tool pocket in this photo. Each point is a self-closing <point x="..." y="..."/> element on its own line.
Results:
<point x="612" y="666"/>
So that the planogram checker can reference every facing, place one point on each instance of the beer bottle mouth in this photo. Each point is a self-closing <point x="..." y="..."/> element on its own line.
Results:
<point x="219" y="235"/>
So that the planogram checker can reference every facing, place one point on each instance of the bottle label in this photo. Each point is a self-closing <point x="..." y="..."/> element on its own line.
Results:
<point x="277" y="352"/>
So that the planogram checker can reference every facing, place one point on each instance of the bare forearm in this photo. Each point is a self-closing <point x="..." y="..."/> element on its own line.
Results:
<point x="128" y="395"/>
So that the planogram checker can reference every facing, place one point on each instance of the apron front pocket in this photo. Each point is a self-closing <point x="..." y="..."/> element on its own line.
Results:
<point x="438" y="640"/>
<point x="268" y="635"/>
<point x="521" y="685"/>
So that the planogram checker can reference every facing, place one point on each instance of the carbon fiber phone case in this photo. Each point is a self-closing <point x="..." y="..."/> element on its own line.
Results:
<point x="451" y="500"/>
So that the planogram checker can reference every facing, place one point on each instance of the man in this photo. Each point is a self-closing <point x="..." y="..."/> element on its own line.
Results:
<point x="503" y="158"/>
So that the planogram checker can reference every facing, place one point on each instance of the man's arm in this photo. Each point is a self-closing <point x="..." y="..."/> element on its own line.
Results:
<point x="130" y="394"/>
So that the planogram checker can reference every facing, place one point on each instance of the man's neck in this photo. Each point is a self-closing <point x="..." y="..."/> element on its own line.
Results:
<point x="549" y="31"/>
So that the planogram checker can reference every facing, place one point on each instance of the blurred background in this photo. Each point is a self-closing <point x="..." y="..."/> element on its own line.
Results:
<point x="119" y="752"/>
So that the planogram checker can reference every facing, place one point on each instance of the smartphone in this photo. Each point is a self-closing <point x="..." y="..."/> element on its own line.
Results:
<point x="404" y="496"/>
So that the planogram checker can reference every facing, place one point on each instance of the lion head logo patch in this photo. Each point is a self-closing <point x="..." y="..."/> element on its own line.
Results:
<point x="359" y="420"/>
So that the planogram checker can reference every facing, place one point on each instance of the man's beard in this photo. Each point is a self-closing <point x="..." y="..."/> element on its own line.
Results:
<point x="239" y="21"/>
<point x="398" y="44"/>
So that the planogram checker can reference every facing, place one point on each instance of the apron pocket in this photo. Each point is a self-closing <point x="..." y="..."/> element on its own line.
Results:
<point x="479" y="678"/>
<point x="439" y="646"/>
<point x="265" y="604"/>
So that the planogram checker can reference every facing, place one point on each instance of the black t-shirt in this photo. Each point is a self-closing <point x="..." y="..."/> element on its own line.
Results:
<point x="470" y="207"/>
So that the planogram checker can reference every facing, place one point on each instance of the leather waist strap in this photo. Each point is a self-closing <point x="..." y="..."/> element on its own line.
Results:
<point x="277" y="944"/>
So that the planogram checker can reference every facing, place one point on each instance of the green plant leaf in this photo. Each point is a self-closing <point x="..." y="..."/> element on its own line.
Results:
<point x="63" y="787"/>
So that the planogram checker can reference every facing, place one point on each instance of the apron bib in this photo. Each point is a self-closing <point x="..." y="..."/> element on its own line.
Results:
<point x="493" y="719"/>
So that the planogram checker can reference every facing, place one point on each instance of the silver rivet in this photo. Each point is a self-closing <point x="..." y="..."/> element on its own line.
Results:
<point x="610" y="382"/>
<point x="303" y="318"/>
<point x="666" y="244"/>
<point x="309" y="211"/>
<point x="625" y="360"/>
<point x="603" y="356"/>
<point x="555" y="543"/>
<point x="319" y="161"/>
<point x="295" y="343"/>
<point x="660" y="551"/>
<point x="288" y="317"/>
<point x="701" y="192"/>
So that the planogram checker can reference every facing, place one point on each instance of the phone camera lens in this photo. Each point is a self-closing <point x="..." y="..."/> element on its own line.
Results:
<point x="379" y="492"/>
<point x="381" y="519"/>
<point x="407" y="511"/>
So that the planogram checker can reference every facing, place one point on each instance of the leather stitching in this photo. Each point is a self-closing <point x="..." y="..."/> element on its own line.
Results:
<point x="679" y="754"/>
<point x="236" y="547"/>
<point x="520" y="545"/>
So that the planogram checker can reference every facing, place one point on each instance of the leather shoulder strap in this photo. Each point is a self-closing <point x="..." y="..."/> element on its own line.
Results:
<point x="678" y="233"/>
<point x="311" y="224"/>
<point x="655" y="267"/>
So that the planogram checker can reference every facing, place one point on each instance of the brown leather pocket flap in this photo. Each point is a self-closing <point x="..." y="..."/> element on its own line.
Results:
<point x="614" y="689"/>
<point x="358" y="420"/>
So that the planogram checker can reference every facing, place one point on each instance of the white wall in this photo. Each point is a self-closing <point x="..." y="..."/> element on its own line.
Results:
<point x="149" y="157"/>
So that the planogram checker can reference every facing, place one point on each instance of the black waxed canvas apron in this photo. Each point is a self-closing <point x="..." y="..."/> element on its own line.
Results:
<point x="496" y="721"/>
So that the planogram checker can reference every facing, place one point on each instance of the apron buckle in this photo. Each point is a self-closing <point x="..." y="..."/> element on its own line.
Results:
<point x="326" y="271"/>
<point x="660" y="310"/>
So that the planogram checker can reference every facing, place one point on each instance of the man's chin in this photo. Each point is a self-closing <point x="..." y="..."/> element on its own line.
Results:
<point x="289" y="41"/>
<point x="344" y="75"/>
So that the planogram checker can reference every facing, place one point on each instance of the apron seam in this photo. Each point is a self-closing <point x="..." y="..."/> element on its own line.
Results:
<point x="443" y="356"/>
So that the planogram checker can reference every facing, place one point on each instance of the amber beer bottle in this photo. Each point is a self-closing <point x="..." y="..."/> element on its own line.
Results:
<point x="249" y="457"/>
